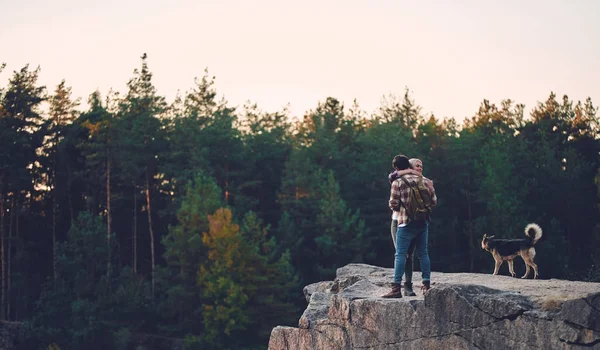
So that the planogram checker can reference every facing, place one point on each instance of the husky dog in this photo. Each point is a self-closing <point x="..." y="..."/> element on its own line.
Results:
<point x="508" y="249"/>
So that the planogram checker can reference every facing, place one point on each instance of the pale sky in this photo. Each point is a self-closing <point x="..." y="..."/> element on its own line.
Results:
<point x="450" y="54"/>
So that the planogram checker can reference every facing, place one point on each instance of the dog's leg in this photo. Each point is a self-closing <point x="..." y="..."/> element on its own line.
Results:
<point x="497" y="267"/>
<point x="531" y="256"/>
<point x="511" y="267"/>
<point x="526" y="271"/>
<point x="535" y="270"/>
<point x="525" y="257"/>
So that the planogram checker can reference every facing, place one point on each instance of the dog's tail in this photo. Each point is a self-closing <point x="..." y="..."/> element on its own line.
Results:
<point x="534" y="232"/>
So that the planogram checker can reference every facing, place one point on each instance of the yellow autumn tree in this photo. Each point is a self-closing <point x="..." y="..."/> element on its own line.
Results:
<point x="244" y="282"/>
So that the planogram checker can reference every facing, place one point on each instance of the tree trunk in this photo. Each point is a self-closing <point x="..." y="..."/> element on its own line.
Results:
<point x="9" y="263"/>
<point x="227" y="184"/>
<point x="3" y="258"/>
<point x="134" y="238"/>
<point x="108" y="214"/>
<point x="149" y="209"/>
<point x="70" y="195"/>
<point x="18" y="243"/>
<point x="54" y="226"/>
<point x="471" y="247"/>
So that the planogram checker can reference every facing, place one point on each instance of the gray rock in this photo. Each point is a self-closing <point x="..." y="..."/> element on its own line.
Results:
<point x="583" y="313"/>
<point x="461" y="311"/>
<point x="316" y="287"/>
<point x="318" y="309"/>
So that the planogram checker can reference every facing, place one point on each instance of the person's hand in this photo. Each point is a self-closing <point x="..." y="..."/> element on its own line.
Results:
<point x="429" y="185"/>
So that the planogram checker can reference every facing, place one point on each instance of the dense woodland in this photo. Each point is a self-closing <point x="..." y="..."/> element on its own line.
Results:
<point x="197" y="220"/>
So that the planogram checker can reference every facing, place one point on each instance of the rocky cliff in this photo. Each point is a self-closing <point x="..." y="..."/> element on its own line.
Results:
<point x="461" y="311"/>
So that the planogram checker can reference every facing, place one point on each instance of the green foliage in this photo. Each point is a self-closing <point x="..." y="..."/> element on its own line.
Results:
<point x="224" y="311"/>
<point x="342" y="237"/>
<point x="188" y="149"/>
<point x="244" y="282"/>
<point x="82" y="307"/>
<point x="192" y="342"/>
<point x="184" y="241"/>
<point x="267" y="145"/>
<point x="184" y="252"/>
<point x="21" y="131"/>
<point x="122" y="337"/>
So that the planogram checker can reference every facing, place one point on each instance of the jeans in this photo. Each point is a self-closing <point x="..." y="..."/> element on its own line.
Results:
<point x="419" y="232"/>
<point x="410" y="257"/>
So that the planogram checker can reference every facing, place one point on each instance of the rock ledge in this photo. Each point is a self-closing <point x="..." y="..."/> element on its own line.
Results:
<point x="461" y="311"/>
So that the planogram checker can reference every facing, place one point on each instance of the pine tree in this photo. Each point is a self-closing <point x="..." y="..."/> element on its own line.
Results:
<point x="342" y="237"/>
<point x="99" y="154"/>
<point x="142" y="139"/>
<point x="22" y="134"/>
<point x="185" y="252"/>
<point x="62" y="113"/>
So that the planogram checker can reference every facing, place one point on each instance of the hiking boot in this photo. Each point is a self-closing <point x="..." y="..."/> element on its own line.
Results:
<point x="408" y="291"/>
<point x="396" y="292"/>
<point x="426" y="286"/>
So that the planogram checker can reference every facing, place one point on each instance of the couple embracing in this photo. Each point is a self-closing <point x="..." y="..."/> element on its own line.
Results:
<point x="411" y="198"/>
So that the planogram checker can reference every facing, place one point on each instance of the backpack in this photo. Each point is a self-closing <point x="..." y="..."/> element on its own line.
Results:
<point x="419" y="203"/>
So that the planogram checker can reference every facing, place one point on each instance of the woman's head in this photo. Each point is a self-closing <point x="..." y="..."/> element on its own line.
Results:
<point x="417" y="164"/>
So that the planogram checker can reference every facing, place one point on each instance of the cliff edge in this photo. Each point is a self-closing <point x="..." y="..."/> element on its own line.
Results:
<point x="461" y="311"/>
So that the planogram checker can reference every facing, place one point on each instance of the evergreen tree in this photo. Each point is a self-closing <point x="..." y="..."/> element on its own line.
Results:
<point x="185" y="252"/>
<point x="84" y="307"/>
<point x="62" y="113"/>
<point x="99" y="154"/>
<point x="243" y="282"/>
<point x="342" y="237"/>
<point x="22" y="134"/>
<point x="142" y="142"/>
<point x="188" y="151"/>
<point x="267" y="145"/>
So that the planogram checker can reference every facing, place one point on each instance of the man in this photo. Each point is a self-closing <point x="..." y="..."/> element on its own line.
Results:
<point x="394" y="175"/>
<point x="409" y="230"/>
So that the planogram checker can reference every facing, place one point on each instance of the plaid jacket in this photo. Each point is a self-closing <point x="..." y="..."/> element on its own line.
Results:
<point x="399" y="194"/>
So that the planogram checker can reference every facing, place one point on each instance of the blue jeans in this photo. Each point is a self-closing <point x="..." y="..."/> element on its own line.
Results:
<point x="410" y="257"/>
<point x="419" y="231"/>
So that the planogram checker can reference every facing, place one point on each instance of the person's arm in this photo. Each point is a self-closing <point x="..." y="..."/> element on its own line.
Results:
<point x="429" y="185"/>
<point x="394" y="175"/>
<point x="408" y="171"/>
